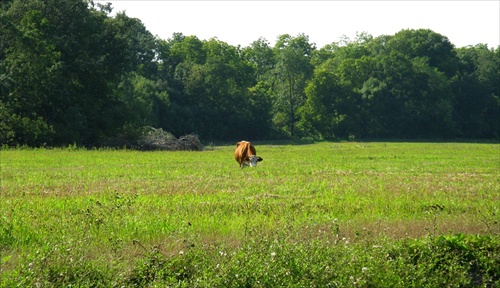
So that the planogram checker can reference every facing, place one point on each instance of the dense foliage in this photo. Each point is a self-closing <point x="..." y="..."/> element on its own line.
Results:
<point x="72" y="73"/>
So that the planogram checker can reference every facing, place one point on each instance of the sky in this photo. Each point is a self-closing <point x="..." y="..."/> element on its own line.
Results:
<point x="242" y="22"/>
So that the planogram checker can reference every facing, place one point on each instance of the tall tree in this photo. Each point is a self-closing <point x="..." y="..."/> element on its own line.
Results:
<point x="63" y="67"/>
<point x="426" y="43"/>
<point x="322" y="113"/>
<point x="293" y="70"/>
<point x="227" y="78"/>
<point x="30" y="71"/>
<point x="334" y="106"/>
<point x="260" y="55"/>
<point x="212" y="80"/>
<point x="477" y="90"/>
<point x="409" y="98"/>
<point x="261" y="58"/>
<point x="141" y="45"/>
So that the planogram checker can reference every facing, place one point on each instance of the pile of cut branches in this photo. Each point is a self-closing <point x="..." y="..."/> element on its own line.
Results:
<point x="158" y="139"/>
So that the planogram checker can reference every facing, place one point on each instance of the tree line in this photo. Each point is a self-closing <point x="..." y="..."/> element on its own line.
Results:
<point x="70" y="73"/>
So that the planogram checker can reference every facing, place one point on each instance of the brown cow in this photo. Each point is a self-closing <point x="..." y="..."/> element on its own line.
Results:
<point x="246" y="155"/>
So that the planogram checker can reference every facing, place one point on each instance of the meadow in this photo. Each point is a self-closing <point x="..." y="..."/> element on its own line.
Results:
<point x="323" y="214"/>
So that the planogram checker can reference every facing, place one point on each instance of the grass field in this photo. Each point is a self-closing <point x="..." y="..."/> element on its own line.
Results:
<point x="326" y="214"/>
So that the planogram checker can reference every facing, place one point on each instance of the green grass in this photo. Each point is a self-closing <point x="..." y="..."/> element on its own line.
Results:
<point x="322" y="214"/>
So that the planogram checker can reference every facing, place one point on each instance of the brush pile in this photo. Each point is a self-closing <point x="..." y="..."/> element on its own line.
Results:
<point x="157" y="139"/>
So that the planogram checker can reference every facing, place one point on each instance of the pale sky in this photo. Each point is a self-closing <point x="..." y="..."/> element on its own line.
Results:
<point x="242" y="22"/>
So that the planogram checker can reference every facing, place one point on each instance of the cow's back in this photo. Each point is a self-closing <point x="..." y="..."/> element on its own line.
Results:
<point x="243" y="150"/>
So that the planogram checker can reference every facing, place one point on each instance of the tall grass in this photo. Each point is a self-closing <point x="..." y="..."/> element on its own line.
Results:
<point x="322" y="214"/>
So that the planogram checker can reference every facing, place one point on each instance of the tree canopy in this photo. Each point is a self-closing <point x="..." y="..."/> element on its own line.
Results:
<point x="72" y="73"/>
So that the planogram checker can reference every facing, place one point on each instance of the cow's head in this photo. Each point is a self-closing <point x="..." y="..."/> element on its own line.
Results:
<point x="252" y="160"/>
